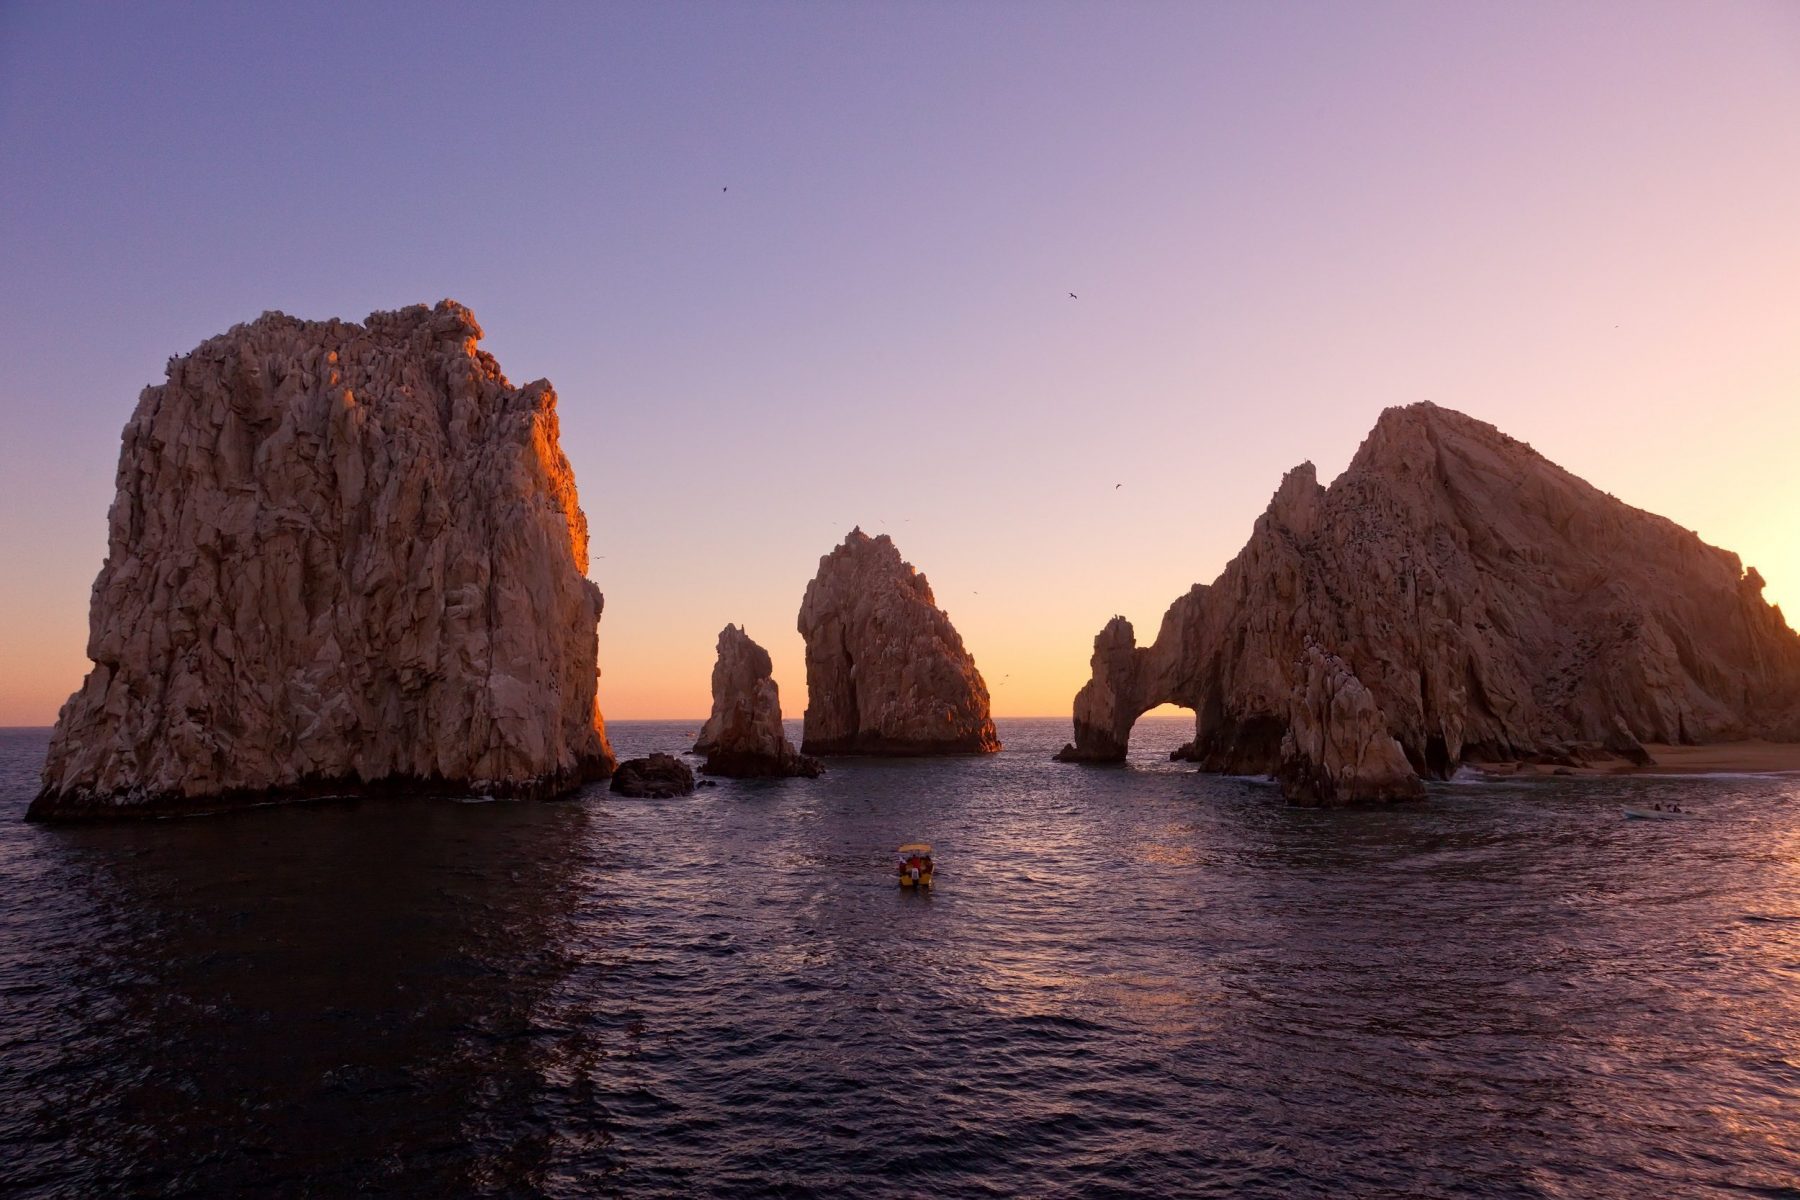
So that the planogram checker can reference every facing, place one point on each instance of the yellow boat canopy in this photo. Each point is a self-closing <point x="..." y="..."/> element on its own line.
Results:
<point x="915" y="848"/>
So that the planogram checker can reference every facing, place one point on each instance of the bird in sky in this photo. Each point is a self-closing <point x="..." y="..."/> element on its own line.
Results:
<point x="1073" y="296"/>
<point x="1117" y="486"/>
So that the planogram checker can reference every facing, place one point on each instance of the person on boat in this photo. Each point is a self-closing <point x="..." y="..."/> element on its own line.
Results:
<point x="1659" y="806"/>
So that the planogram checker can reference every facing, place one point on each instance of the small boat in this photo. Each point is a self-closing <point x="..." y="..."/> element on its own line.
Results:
<point x="915" y="865"/>
<point x="1657" y="814"/>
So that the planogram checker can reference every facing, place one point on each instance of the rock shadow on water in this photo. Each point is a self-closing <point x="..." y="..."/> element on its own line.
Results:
<point x="333" y="999"/>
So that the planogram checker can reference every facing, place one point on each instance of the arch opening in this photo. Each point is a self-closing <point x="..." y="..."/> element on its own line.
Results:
<point x="1164" y="733"/>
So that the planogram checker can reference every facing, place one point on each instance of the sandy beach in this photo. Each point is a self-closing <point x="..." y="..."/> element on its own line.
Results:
<point x="1748" y="757"/>
<point x="1761" y="757"/>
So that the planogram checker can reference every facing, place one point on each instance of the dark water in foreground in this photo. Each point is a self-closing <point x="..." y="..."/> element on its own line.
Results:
<point x="1129" y="982"/>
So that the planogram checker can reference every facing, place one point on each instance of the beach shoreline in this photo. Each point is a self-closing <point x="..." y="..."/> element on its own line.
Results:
<point x="1728" y="758"/>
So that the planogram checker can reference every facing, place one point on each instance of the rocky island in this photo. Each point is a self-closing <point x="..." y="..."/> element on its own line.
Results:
<point x="653" y="777"/>
<point x="743" y="737"/>
<point x="1453" y="597"/>
<point x="342" y="559"/>
<point x="886" y="672"/>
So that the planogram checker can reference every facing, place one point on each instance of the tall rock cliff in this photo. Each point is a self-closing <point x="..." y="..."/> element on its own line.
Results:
<point x="1491" y="605"/>
<point x="743" y="737"/>
<point x="342" y="558"/>
<point x="886" y="673"/>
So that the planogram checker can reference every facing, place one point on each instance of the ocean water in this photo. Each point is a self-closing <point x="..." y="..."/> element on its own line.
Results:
<point x="1139" y="981"/>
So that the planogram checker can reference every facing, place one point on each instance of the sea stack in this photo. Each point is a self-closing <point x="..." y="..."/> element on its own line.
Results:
<point x="886" y="672"/>
<point x="743" y="738"/>
<point x="343" y="559"/>
<point x="1462" y="597"/>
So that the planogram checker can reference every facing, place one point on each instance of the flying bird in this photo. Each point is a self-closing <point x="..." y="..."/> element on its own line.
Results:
<point x="1117" y="486"/>
<point x="1073" y="296"/>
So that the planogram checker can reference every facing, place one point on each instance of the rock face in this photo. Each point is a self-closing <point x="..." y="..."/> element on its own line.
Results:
<point x="657" y="777"/>
<point x="342" y="559"/>
<point x="743" y="738"/>
<point x="1337" y="749"/>
<point x="886" y="672"/>
<point x="1472" y="599"/>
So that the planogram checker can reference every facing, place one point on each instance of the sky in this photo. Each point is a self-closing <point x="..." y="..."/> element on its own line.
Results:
<point x="1576" y="221"/>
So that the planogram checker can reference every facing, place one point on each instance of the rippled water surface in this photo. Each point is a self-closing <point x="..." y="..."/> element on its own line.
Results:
<point x="1128" y="982"/>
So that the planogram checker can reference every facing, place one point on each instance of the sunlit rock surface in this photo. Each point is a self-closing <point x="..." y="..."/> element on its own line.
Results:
<point x="1492" y="606"/>
<point x="886" y="673"/>
<point x="342" y="559"/>
<point x="743" y="737"/>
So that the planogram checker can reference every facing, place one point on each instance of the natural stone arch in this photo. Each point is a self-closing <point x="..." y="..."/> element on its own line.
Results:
<point x="1452" y="596"/>
<point x="1122" y="689"/>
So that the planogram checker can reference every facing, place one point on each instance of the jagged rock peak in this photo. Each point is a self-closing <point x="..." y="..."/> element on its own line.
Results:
<point x="1295" y="505"/>
<point x="342" y="558"/>
<point x="1492" y="606"/>
<point x="886" y="672"/>
<point x="743" y="737"/>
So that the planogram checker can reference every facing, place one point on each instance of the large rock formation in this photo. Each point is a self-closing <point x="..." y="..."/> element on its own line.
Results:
<point x="743" y="738"/>
<point x="1483" y="602"/>
<point x="342" y="559"/>
<point x="886" y="672"/>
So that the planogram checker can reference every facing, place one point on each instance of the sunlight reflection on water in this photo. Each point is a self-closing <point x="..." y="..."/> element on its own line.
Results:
<point x="1140" y="980"/>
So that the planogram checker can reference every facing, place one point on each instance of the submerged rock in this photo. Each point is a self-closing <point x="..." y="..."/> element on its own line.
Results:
<point x="743" y="737"/>
<point x="343" y="559"/>
<point x="886" y="672"/>
<point x="1474" y="600"/>
<point x="657" y="777"/>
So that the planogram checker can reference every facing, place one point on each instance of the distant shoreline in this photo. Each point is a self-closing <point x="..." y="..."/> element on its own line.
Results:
<point x="1747" y="757"/>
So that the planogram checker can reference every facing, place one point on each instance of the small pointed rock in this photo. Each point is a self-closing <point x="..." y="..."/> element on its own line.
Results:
<point x="743" y="737"/>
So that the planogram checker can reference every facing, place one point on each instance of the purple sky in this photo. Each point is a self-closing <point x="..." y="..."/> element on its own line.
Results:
<point x="1577" y="221"/>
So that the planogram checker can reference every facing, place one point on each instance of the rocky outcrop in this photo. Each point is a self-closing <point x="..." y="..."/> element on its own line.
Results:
<point x="343" y="559"/>
<point x="1336" y="749"/>
<point x="1492" y="607"/>
<point x="743" y="738"/>
<point x="658" y="777"/>
<point x="886" y="673"/>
